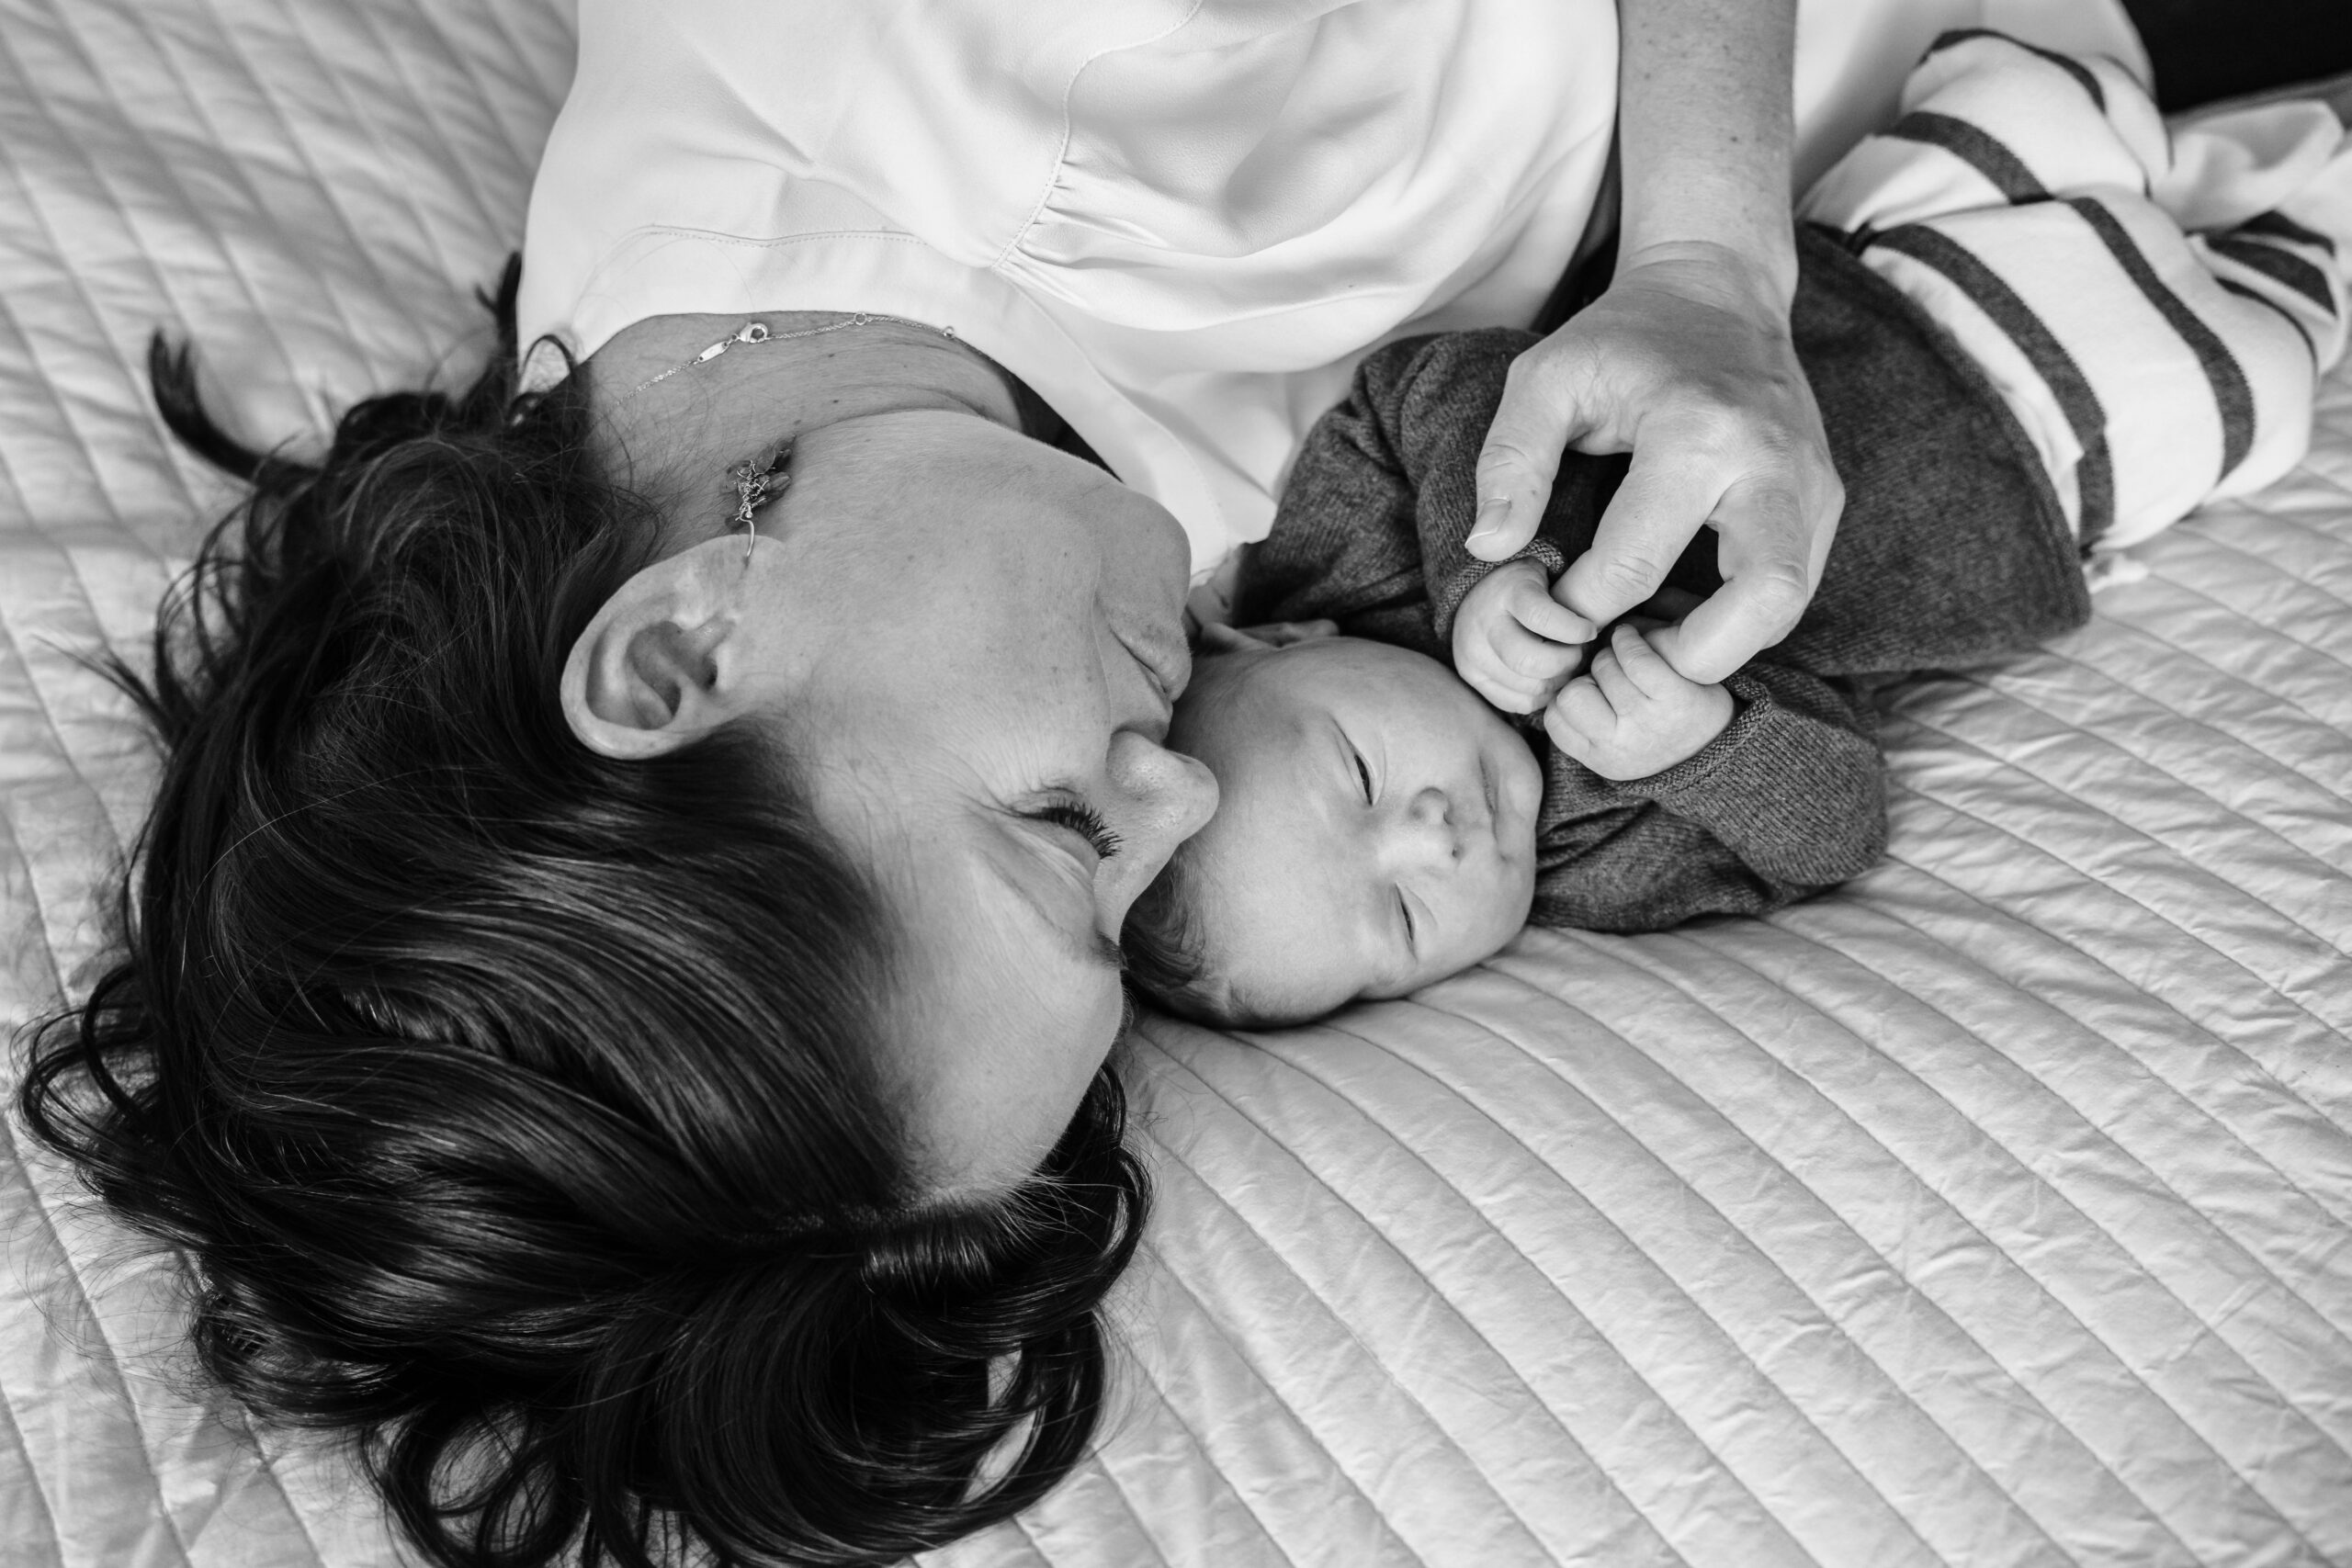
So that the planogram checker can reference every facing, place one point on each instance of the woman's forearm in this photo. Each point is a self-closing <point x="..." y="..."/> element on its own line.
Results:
<point x="1704" y="132"/>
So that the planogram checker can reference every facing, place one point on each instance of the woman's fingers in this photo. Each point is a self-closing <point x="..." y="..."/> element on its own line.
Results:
<point x="1689" y="365"/>
<point x="1665" y="498"/>
<point x="1532" y="424"/>
<point x="1771" y="554"/>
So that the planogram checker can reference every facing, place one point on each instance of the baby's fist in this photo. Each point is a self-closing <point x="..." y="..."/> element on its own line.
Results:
<point x="1633" y="714"/>
<point x="1513" y="642"/>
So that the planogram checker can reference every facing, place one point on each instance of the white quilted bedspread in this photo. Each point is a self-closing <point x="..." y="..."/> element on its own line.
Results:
<point x="1995" y="1211"/>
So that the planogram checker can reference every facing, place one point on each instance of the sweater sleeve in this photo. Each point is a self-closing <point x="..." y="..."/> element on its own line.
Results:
<point x="1789" y="799"/>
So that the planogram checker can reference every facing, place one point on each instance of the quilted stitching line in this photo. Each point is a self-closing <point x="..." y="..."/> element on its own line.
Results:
<point x="2257" y="1069"/>
<point x="2080" y="1113"/>
<point x="82" y="445"/>
<point x="551" y="92"/>
<point x="1372" y="1223"/>
<point x="486" y="96"/>
<point x="2219" y="539"/>
<point x="1332" y="1310"/>
<point x="1730" y="1341"/>
<point x="1174" y="1278"/>
<point x="113" y="1363"/>
<point x="2018" y="762"/>
<point x="269" y="1464"/>
<point x="1861" y="1244"/>
<point x="2253" y="1063"/>
<point x="2123" y="1248"/>
<point x="50" y="1535"/>
<point x="1020" y="1522"/>
<point x="290" y="137"/>
<point x="2152" y="1513"/>
<point x="491" y="222"/>
<point x="158" y="279"/>
<point x="2278" y="702"/>
<point x="2158" y="916"/>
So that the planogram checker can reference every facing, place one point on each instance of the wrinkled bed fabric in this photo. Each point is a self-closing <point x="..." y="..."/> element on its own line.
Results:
<point x="1996" y="1210"/>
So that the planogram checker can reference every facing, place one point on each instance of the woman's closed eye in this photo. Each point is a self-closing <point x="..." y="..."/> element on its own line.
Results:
<point x="1412" y="932"/>
<point x="1363" y="774"/>
<point x="1083" y="820"/>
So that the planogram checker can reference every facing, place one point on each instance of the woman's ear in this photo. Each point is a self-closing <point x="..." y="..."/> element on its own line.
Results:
<point x="645" y="677"/>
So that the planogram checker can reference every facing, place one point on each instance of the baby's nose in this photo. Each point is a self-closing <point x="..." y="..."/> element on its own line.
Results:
<point x="1428" y="834"/>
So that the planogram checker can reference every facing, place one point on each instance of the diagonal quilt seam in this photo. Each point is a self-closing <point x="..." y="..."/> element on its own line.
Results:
<point x="1373" y="1224"/>
<point x="1993" y="912"/>
<point x="1860" y="1242"/>
<point x="2111" y="1239"/>
<point x="2015" y="762"/>
<point x="2146" y="839"/>
<point x="2152" y="1515"/>
<point x="1174" y="1278"/>
<point x="50" y="1535"/>
<point x="1340" y="1318"/>
<point x="41" y="1209"/>
<point x="203" y="109"/>
<point x="365" y="16"/>
<point x="1954" y="810"/>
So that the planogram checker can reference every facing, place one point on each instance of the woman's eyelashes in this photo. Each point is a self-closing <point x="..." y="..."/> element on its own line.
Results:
<point x="1085" y="821"/>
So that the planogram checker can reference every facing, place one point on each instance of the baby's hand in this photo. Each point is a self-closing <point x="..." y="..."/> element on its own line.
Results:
<point x="1633" y="714"/>
<point x="1513" y="642"/>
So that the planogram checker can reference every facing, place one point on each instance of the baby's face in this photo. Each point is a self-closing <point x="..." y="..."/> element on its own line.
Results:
<point x="1376" y="824"/>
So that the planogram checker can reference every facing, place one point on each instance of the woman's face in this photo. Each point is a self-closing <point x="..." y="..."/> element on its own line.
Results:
<point x="978" y="639"/>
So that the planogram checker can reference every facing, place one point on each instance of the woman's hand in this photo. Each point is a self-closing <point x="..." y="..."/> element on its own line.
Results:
<point x="1686" y="362"/>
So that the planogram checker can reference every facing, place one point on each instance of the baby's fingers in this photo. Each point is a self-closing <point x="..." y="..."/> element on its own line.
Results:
<point x="1608" y="670"/>
<point x="1649" y="673"/>
<point x="1532" y="606"/>
<point x="1522" y="652"/>
<point x="1580" y="720"/>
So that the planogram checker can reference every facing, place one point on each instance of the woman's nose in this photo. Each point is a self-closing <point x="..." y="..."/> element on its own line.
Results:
<point x="1163" y="798"/>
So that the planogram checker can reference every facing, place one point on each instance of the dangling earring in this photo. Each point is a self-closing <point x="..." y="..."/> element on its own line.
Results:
<point x="756" y="481"/>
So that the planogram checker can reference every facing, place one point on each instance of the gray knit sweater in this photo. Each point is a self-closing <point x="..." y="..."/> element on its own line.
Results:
<point x="1951" y="550"/>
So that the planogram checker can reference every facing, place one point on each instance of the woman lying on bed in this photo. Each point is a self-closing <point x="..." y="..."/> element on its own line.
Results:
<point x="620" y="975"/>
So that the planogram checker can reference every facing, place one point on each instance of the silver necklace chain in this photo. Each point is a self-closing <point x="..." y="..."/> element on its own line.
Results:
<point x="758" y="480"/>
<point x="755" y="333"/>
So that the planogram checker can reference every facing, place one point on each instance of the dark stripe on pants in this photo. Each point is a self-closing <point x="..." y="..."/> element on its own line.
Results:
<point x="1977" y="148"/>
<point x="2278" y="226"/>
<point x="2065" y="63"/>
<point x="2281" y="268"/>
<point x="2095" y="476"/>
<point x="2233" y="399"/>
<point x="2302" y="331"/>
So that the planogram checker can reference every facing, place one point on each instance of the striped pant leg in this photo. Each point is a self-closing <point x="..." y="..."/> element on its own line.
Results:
<point x="2013" y="202"/>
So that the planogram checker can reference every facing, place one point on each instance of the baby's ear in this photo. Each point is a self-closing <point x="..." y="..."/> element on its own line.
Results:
<point x="1274" y="634"/>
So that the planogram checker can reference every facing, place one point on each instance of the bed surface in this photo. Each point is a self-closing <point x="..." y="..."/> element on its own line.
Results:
<point x="1996" y="1210"/>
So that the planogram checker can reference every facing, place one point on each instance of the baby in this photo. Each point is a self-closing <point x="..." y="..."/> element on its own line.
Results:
<point x="2020" y="356"/>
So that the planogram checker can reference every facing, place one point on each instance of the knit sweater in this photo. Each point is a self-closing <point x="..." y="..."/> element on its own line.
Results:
<point x="1951" y="550"/>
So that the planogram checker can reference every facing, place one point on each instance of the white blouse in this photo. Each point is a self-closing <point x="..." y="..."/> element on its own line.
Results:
<point x="1182" y="222"/>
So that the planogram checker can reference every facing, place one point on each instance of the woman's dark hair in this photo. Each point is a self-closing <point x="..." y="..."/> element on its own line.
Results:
<point x="513" y="1108"/>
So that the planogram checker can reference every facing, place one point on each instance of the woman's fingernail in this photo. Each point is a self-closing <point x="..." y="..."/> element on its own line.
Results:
<point x="1489" y="522"/>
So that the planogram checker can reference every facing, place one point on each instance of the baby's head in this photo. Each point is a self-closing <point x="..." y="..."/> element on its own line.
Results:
<point x="1375" y="831"/>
